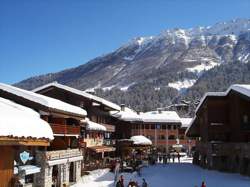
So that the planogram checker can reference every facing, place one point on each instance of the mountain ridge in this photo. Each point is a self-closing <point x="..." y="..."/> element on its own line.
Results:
<point x="174" y="59"/>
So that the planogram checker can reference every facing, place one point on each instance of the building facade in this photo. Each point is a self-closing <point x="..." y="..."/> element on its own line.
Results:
<point x="60" y="163"/>
<point x="223" y="128"/>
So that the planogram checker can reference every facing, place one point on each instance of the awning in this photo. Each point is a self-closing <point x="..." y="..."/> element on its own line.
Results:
<point x="57" y="162"/>
<point x="64" y="160"/>
<point x="29" y="169"/>
<point x="177" y="146"/>
<point x="101" y="149"/>
<point x="77" y="158"/>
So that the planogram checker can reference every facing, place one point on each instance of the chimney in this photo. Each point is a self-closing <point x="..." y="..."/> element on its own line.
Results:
<point x="122" y="107"/>
<point x="159" y="110"/>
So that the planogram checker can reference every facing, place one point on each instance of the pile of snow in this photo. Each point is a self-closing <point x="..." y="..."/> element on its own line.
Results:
<point x="141" y="140"/>
<point x="43" y="100"/>
<point x="94" y="126"/>
<point x="179" y="85"/>
<point x="19" y="121"/>
<point x="160" y="117"/>
<point x="80" y="93"/>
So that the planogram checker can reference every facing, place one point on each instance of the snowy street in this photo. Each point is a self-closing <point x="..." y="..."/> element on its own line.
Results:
<point x="172" y="175"/>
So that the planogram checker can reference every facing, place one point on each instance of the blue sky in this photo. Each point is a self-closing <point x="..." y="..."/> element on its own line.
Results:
<point x="43" y="36"/>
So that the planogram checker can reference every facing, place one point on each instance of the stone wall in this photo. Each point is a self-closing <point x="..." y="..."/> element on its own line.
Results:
<point x="61" y="159"/>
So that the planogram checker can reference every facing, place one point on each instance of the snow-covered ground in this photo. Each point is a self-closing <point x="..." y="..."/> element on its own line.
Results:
<point x="172" y="175"/>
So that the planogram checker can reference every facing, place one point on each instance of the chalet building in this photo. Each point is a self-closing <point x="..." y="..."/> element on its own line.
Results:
<point x="22" y="132"/>
<point x="99" y="141"/>
<point x="222" y="125"/>
<point x="59" y="163"/>
<point x="161" y="127"/>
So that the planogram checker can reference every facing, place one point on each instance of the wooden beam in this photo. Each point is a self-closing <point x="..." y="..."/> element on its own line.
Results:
<point x="23" y="141"/>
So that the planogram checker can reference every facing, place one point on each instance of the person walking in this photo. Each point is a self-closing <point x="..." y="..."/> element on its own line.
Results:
<point x="169" y="157"/>
<point x="173" y="157"/>
<point x="144" y="183"/>
<point x="203" y="184"/>
<point x="179" y="157"/>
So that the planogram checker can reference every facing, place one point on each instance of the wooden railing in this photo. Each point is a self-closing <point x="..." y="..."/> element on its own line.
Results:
<point x="65" y="129"/>
<point x="110" y="128"/>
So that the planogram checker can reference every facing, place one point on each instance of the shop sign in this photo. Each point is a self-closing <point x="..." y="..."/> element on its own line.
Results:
<point x="25" y="156"/>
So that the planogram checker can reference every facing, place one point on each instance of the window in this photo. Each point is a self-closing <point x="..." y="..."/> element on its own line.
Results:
<point x="245" y="119"/>
<point x="161" y="137"/>
<point x="171" y="137"/>
<point x="152" y="126"/>
<point x="245" y="122"/>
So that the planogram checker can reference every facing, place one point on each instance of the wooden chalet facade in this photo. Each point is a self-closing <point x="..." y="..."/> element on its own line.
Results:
<point x="97" y="142"/>
<point x="60" y="163"/>
<point x="163" y="128"/>
<point x="222" y="125"/>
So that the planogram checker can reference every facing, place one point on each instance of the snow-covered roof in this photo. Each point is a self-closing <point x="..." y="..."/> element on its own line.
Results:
<point x="94" y="126"/>
<point x="147" y="117"/>
<point x="240" y="88"/>
<point x="43" y="100"/>
<point x="20" y="121"/>
<point x="185" y="122"/>
<point x="160" y="117"/>
<point x="141" y="140"/>
<point x="80" y="93"/>
<point x="126" y="115"/>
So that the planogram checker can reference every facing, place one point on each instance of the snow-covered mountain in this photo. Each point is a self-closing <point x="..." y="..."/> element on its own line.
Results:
<point x="175" y="58"/>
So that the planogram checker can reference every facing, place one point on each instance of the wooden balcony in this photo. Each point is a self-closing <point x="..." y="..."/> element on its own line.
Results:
<point x="65" y="129"/>
<point x="110" y="128"/>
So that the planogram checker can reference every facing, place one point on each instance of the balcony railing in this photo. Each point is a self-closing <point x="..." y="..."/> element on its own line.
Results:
<point x="65" y="129"/>
<point x="110" y="128"/>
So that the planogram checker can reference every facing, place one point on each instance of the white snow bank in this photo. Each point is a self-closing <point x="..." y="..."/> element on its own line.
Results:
<point x="80" y="93"/>
<point x="141" y="140"/>
<point x="179" y="85"/>
<point x="19" y="121"/>
<point x="43" y="100"/>
<point x="94" y="126"/>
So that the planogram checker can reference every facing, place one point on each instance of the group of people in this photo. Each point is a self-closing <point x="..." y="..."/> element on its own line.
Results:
<point x="132" y="183"/>
<point x="167" y="158"/>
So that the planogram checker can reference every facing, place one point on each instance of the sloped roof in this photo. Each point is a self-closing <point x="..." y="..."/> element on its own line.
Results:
<point x="80" y="93"/>
<point x="185" y="122"/>
<point x="160" y="117"/>
<point x="93" y="125"/>
<point x="49" y="102"/>
<point x="240" y="88"/>
<point x="147" y="117"/>
<point x="20" y="121"/>
<point x="141" y="140"/>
